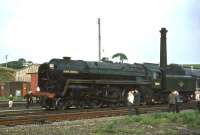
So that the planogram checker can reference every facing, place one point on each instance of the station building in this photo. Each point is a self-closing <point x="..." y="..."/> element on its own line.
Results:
<point x="24" y="80"/>
<point x="27" y="78"/>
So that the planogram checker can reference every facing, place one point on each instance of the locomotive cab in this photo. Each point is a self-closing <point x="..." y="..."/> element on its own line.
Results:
<point x="154" y="74"/>
<point x="157" y="78"/>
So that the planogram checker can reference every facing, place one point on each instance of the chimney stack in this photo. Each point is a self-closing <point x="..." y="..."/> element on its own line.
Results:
<point x="163" y="48"/>
<point x="163" y="56"/>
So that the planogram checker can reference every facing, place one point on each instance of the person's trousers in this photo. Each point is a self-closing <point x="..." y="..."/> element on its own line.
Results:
<point x="10" y="104"/>
<point x="172" y="107"/>
<point x="198" y="105"/>
<point x="130" y="108"/>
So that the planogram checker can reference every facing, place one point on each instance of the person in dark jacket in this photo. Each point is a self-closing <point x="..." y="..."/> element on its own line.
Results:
<point x="178" y="101"/>
<point x="29" y="99"/>
<point x="137" y="97"/>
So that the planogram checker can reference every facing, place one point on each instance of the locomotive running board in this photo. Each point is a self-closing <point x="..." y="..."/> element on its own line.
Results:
<point x="120" y="82"/>
<point x="103" y="82"/>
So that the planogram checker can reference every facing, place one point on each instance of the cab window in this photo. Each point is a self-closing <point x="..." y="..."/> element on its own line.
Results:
<point x="156" y="75"/>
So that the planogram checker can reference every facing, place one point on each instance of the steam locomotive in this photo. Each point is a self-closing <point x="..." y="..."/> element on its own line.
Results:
<point x="66" y="83"/>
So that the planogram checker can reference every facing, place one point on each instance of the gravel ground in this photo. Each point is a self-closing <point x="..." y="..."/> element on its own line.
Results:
<point x="78" y="127"/>
<point x="91" y="126"/>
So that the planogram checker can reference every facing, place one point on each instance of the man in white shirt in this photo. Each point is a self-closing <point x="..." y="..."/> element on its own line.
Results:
<point x="10" y="101"/>
<point x="130" y="101"/>
<point x="197" y="98"/>
<point x="178" y="101"/>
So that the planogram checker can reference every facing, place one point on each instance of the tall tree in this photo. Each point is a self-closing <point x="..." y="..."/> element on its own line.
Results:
<point x="121" y="57"/>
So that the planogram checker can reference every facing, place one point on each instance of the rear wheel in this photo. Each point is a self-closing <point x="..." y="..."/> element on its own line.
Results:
<point x="146" y="95"/>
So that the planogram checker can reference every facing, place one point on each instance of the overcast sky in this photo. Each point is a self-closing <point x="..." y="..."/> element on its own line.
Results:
<point x="39" y="30"/>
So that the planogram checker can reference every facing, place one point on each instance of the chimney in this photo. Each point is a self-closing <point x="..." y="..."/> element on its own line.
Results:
<point x="163" y="56"/>
<point x="163" y="48"/>
<point x="67" y="58"/>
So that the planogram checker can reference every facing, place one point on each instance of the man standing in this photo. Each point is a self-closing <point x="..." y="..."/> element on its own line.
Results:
<point x="10" y="101"/>
<point x="130" y="101"/>
<point x="172" y="101"/>
<point x="136" y="101"/>
<point x="29" y="99"/>
<point x="197" y="98"/>
<point x="178" y="101"/>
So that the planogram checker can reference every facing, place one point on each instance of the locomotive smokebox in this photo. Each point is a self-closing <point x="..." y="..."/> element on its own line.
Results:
<point x="163" y="55"/>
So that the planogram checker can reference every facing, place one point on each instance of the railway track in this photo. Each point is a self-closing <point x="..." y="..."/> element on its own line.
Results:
<point x="41" y="116"/>
<point x="17" y="105"/>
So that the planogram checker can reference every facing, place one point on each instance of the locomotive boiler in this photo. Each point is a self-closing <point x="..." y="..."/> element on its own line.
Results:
<point x="79" y="83"/>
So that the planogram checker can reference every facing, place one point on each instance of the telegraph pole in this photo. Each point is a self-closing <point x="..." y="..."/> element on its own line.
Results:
<point x="99" y="37"/>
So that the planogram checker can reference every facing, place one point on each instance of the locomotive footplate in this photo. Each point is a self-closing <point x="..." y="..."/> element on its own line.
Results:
<point x="42" y="94"/>
<point x="118" y="82"/>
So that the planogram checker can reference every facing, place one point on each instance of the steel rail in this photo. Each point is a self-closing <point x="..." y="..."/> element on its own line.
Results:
<point x="43" y="117"/>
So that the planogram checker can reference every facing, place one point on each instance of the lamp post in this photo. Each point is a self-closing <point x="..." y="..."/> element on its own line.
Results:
<point x="99" y="37"/>
<point x="6" y="56"/>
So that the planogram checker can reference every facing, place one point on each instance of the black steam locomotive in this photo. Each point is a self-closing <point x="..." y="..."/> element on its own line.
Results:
<point x="80" y="83"/>
<point x="65" y="83"/>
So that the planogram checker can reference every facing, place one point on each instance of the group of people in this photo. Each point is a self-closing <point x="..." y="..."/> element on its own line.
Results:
<point x="133" y="101"/>
<point x="28" y="97"/>
<point x="174" y="101"/>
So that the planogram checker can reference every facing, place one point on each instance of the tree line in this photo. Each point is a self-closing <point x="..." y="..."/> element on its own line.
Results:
<point x="19" y="64"/>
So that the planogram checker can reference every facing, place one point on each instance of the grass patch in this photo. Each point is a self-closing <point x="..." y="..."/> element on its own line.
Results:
<point x="151" y="123"/>
<point x="109" y="128"/>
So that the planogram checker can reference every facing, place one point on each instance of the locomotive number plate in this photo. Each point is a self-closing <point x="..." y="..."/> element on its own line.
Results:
<point x="71" y="71"/>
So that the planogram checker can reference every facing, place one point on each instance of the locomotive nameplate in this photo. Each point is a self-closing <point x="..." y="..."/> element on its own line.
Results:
<point x="70" y="71"/>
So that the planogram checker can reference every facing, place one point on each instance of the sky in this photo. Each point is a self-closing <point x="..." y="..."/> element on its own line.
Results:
<point x="39" y="30"/>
